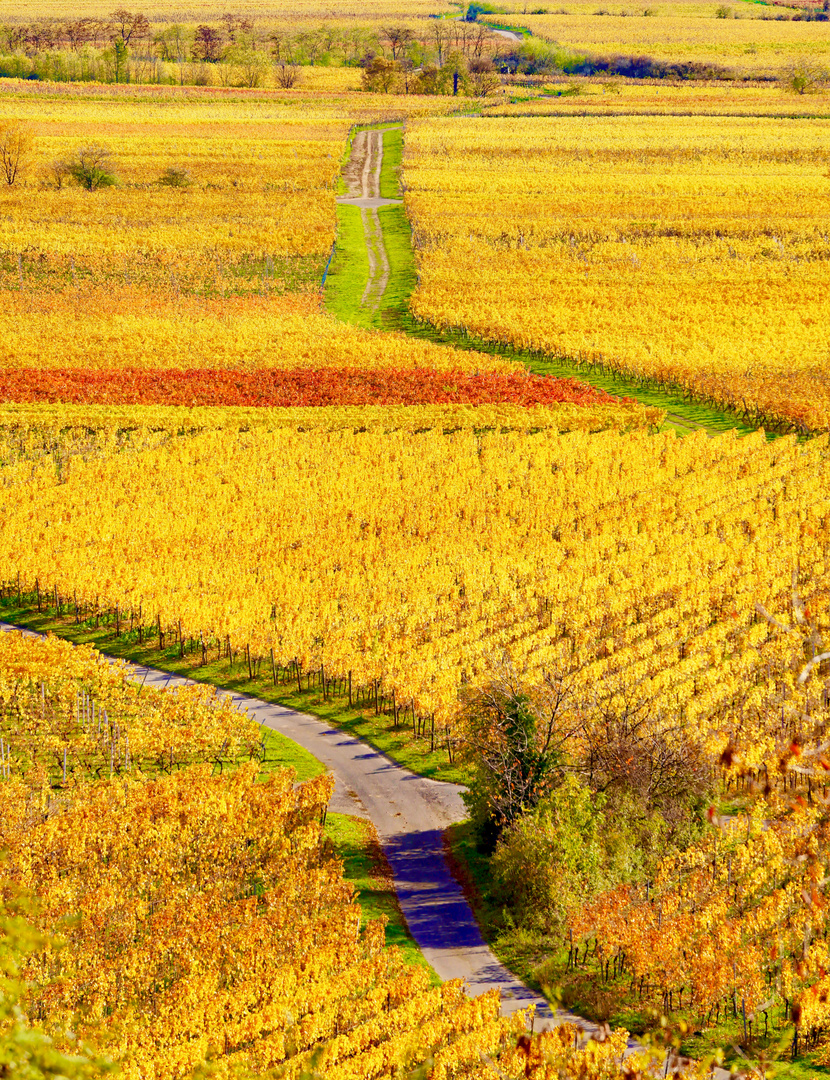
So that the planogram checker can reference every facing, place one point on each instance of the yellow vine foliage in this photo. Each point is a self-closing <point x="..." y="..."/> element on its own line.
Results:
<point x="259" y="183"/>
<point x="689" y="251"/>
<point x="66" y="430"/>
<point x="256" y="212"/>
<point x="687" y="32"/>
<point x="193" y="919"/>
<point x="66" y="712"/>
<point x="131" y="326"/>
<point x="610" y="95"/>
<point x="422" y="559"/>
<point x="312" y="12"/>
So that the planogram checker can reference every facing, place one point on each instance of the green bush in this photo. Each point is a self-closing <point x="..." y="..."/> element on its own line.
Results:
<point x="175" y="177"/>
<point x="552" y="857"/>
<point x="513" y="741"/>
<point x="570" y="847"/>
<point x="91" y="167"/>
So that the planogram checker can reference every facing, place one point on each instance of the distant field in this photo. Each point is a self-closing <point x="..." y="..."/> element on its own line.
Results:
<point x="749" y="39"/>
<point x="221" y="270"/>
<point x="689" y="250"/>
<point x="198" y="10"/>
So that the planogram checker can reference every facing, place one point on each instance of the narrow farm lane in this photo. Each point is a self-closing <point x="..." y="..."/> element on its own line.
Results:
<point x="361" y="175"/>
<point x="410" y="813"/>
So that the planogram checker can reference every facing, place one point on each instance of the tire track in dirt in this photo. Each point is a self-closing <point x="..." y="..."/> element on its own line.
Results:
<point x="361" y="175"/>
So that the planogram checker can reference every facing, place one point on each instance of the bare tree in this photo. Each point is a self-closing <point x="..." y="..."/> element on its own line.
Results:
<point x="40" y="37"/>
<point x="129" y="25"/>
<point x="398" y="38"/>
<point x="631" y="748"/>
<point x="208" y="44"/>
<point x="59" y="170"/>
<point x="16" y="142"/>
<point x="441" y="37"/>
<point x="287" y="74"/>
<point x="235" y="24"/>
<point x="78" y="33"/>
<point x="484" y="79"/>
<point x="480" y="40"/>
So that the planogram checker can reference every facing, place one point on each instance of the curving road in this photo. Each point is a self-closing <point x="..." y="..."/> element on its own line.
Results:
<point x="410" y="814"/>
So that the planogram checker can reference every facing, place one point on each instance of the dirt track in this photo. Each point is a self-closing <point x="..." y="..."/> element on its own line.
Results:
<point x="361" y="174"/>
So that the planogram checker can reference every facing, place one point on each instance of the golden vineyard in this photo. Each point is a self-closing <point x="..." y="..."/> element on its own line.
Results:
<point x="420" y="560"/>
<point x="218" y="927"/>
<point x="452" y="378"/>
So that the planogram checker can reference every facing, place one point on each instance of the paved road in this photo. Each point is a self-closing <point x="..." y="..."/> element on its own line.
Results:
<point x="509" y="34"/>
<point x="410" y="814"/>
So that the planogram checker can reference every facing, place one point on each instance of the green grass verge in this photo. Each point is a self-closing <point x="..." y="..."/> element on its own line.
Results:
<point x="683" y="415"/>
<point x="541" y="962"/>
<point x="349" y="274"/>
<point x="520" y="952"/>
<point x="349" y="271"/>
<point x="397" y="236"/>
<point x="390" y="168"/>
<point x="494" y="24"/>
<point x="377" y="731"/>
<point x="365" y="866"/>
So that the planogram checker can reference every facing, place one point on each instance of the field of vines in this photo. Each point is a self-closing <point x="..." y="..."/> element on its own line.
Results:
<point x="586" y="550"/>
<point x="746" y="40"/>
<point x="682" y="251"/>
<point x="231" y="935"/>
<point x="200" y="460"/>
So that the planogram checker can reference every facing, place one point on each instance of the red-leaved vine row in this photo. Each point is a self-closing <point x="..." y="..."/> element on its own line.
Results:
<point x="302" y="387"/>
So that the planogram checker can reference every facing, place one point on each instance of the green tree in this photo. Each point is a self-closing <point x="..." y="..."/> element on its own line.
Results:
<point x="553" y="857"/>
<point x="116" y="59"/>
<point x="91" y="167"/>
<point x="806" y="76"/>
<point x="514" y="738"/>
<point x="380" y="76"/>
